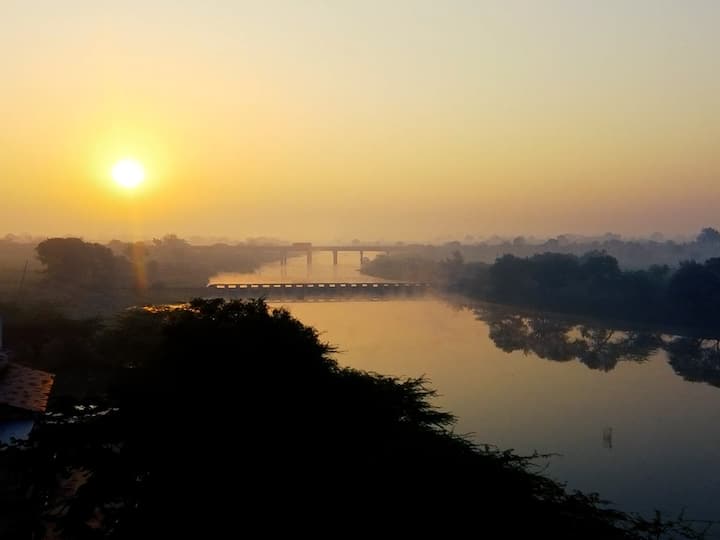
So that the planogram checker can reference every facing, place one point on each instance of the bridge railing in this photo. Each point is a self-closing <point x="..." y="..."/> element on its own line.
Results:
<point x="319" y="290"/>
<point x="344" y="285"/>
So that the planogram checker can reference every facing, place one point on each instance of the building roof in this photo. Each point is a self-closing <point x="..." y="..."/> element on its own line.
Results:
<point x="25" y="388"/>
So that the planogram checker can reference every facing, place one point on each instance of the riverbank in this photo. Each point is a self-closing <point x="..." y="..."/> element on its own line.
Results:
<point x="684" y="300"/>
<point x="274" y="413"/>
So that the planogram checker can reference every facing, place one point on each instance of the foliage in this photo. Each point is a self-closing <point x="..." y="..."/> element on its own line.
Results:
<point x="72" y="261"/>
<point x="631" y="253"/>
<point x="402" y="268"/>
<point x="592" y="284"/>
<point x="171" y="261"/>
<point x="709" y="236"/>
<point x="218" y="415"/>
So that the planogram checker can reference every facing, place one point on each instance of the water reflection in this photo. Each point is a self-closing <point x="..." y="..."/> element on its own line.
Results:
<point x="600" y="347"/>
<point x="629" y="428"/>
<point x="695" y="360"/>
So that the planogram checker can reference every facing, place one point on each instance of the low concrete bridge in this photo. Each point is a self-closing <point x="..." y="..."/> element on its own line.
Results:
<point x="326" y="289"/>
<point x="308" y="248"/>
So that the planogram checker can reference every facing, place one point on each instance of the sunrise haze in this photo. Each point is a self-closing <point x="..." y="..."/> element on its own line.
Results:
<point x="396" y="120"/>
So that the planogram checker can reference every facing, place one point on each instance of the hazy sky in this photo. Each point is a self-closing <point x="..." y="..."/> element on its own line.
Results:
<point x="333" y="119"/>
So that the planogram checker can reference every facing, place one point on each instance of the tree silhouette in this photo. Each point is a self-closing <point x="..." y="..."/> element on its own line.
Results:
<point x="709" y="236"/>
<point x="70" y="261"/>
<point x="218" y="415"/>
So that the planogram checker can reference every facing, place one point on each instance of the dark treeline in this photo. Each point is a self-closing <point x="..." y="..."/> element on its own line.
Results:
<point x="592" y="284"/>
<point x="630" y="254"/>
<point x="220" y="417"/>
<point x="595" y="285"/>
<point x="90" y="278"/>
<point x="599" y="347"/>
<point x="162" y="262"/>
<point x="171" y="261"/>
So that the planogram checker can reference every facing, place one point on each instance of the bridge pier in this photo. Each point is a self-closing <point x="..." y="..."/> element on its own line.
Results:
<point x="309" y="258"/>
<point x="361" y="257"/>
<point x="335" y="257"/>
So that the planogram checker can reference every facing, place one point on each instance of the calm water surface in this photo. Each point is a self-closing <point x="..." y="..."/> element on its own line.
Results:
<point x="625" y="423"/>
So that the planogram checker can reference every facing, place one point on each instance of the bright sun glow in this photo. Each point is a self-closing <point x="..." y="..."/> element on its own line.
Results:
<point x="128" y="173"/>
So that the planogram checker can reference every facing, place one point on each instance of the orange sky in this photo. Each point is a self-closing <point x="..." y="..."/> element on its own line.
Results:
<point x="332" y="120"/>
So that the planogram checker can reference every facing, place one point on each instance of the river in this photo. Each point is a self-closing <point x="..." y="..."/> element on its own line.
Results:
<point x="622" y="419"/>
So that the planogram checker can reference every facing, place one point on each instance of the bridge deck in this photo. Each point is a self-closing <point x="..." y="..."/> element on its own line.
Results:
<point x="327" y="247"/>
<point x="322" y="285"/>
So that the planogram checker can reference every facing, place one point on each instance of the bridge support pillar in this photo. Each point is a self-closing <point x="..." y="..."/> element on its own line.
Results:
<point x="309" y="258"/>
<point x="361" y="258"/>
<point x="335" y="257"/>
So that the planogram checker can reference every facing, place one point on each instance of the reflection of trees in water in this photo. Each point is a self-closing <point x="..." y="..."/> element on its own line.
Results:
<point x="601" y="348"/>
<point x="543" y="337"/>
<point x="695" y="359"/>
<point x="562" y="341"/>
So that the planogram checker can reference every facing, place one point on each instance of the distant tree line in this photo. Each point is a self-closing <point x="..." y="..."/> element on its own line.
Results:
<point x="169" y="261"/>
<point x="592" y="284"/>
<point x="173" y="261"/>
<point x="88" y="278"/>
<point x="630" y="253"/>
<point x="73" y="263"/>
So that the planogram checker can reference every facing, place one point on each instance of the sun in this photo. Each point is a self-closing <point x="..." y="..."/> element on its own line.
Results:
<point x="128" y="173"/>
